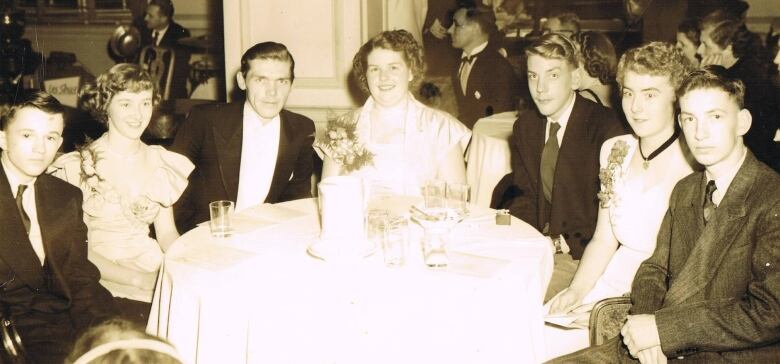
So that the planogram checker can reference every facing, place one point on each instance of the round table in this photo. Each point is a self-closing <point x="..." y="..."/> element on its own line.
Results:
<point x="259" y="297"/>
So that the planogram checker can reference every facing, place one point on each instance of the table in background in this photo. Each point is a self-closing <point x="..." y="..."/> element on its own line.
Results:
<point x="258" y="297"/>
<point x="488" y="158"/>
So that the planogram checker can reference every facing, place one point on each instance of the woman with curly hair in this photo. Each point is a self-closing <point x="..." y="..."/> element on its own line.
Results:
<point x="127" y="187"/>
<point x="599" y="61"/>
<point x="726" y="41"/>
<point x="409" y="143"/>
<point x="638" y="172"/>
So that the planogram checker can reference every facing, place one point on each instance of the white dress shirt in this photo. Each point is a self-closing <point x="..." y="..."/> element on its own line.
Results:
<point x="465" y="69"/>
<point x="160" y="34"/>
<point x="259" y="149"/>
<point x="722" y="183"/>
<point x="28" y="204"/>
<point x="562" y="121"/>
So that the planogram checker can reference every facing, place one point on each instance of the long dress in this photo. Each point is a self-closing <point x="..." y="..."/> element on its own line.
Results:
<point x="403" y="168"/>
<point x="118" y="225"/>
<point x="635" y="214"/>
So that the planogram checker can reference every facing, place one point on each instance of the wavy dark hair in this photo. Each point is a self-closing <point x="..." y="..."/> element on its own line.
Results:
<point x="598" y="55"/>
<point x="29" y="98"/>
<point x="399" y="41"/>
<point x="130" y="77"/>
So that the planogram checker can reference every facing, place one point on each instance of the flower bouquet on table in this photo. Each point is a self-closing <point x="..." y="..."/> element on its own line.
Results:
<point x="341" y="143"/>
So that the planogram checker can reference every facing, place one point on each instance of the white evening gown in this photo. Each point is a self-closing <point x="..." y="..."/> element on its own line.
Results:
<point x="635" y="216"/>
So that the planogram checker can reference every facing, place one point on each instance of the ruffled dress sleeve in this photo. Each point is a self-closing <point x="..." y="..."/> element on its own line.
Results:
<point x="170" y="176"/>
<point x="67" y="168"/>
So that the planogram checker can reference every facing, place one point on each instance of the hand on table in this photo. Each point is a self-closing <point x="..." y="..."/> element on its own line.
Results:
<point x="639" y="333"/>
<point x="652" y="355"/>
<point x="566" y="301"/>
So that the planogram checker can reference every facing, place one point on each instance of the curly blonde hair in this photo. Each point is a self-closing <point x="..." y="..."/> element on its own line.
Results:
<point x="656" y="59"/>
<point x="399" y="41"/>
<point x="130" y="77"/>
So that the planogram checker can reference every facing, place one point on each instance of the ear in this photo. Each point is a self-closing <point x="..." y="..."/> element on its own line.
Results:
<point x="241" y="81"/>
<point x="576" y="78"/>
<point x="744" y="120"/>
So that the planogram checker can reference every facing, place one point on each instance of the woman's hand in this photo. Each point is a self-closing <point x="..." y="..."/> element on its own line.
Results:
<point x="566" y="301"/>
<point x="715" y="59"/>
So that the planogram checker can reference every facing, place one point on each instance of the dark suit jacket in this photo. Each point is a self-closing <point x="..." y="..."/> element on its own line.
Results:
<point x="493" y="87"/>
<point x="54" y="301"/>
<point x="715" y="289"/>
<point x="211" y="138"/>
<point x="181" y="68"/>
<point x="576" y="183"/>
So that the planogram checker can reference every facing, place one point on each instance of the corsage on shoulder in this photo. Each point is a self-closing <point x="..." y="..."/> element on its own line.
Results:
<point x="341" y="143"/>
<point x="610" y="174"/>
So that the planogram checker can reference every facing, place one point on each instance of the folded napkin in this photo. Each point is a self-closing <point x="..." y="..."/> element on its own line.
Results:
<point x="341" y="208"/>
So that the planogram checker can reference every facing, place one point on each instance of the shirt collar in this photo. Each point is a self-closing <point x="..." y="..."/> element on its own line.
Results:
<point x="252" y="118"/>
<point x="564" y="119"/>
<point x="723" y="182"/>
<point x="476" y="50"/>
<point x="13" y="181"/>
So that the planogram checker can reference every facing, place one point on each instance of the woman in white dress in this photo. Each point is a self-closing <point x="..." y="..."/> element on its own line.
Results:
<point x="127" y="187"/>
<point x="406" y="142"/>
<point x="638" y="173"/>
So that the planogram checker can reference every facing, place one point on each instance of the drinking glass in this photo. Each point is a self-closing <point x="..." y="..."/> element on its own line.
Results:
<point x="434" y="193"/>
<point x="458" y="197"/>
<point x="395" y="241"/>
<point x="221" y="212"/>
<point x="376" y="226"/>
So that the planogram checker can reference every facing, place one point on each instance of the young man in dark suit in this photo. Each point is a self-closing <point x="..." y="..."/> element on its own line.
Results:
<point x="249" y="152"/>
<point x="555" y="155"/>
<point x="47" y="285"/>
<point x="710" y="293"/>
<point x="484" y="82"/>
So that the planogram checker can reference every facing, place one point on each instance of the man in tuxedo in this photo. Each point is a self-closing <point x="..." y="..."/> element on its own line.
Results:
<point x="249" y="152"/>
<point x="47" y="285"/>
<point x="484" y="82"/>
<point x="555" y="155"/>
<point x="162" y="31"/>
<point x="710" y="292"/>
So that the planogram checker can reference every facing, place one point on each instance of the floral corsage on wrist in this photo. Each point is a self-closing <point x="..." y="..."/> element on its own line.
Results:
<point x="340" y="142"/>
<point x="610" y="174"/>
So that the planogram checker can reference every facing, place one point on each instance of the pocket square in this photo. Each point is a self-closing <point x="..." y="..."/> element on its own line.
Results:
<point x="477" y="95"/>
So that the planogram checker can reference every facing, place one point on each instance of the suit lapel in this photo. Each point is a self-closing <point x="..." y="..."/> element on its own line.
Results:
<point x="716" y="237"/>
<point x="533" y="131"/>
<point x="15" y="247"/>
<point x="279" y="180"/>
<point x="574" y="135"/>
<point x="228" y="135"/>
<point x="50" y="206"/>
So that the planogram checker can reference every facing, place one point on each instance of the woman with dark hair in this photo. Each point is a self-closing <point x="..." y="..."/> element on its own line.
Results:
<point x="726" y="41"/>
<point x="688" y="39"/>
<point x="394" y="142"/>
<point x="599" y="61"/>
<point x="127" y="187"/>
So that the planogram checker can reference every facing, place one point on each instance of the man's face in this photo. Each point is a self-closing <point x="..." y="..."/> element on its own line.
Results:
<point x="129" y="113"/>
<point x="30" y="142"/>
<point x="648" y="103"/>
<point x="154" y="19"/>
<point x="713" y="125"/>
<point x="552" y="83"/>
<point x="267" y="84"/>
<point x="462" y="31"/>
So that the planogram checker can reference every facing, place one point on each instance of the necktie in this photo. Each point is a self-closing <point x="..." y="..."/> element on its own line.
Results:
<point x="465" y="67"/>
<point x="549" y="159"/>
<point x="155" y="34"/>
<point x="709" y="206"/>
<point x="22" y="213"/>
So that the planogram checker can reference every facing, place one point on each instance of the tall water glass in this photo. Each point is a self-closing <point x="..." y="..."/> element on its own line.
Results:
<point x="395" y="241"/>
<point x="221" y="213"/>
<point x="434" y="193"/>
<point x="458" y="197"/>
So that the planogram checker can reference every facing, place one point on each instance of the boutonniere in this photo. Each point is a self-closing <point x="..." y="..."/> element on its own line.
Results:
<point x="610" y="174"/>
<point x="341" y="143"/>
<point x="477" y="95"/>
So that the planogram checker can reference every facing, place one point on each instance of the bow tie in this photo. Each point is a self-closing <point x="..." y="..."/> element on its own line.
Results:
<point x="468" y="59"/>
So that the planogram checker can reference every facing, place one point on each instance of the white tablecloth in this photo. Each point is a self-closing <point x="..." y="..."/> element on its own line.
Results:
<point x="488" y="158"/>
<point x="258" y="297"/>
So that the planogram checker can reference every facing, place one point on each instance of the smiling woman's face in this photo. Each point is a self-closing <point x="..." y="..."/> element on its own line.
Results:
<point x="388" y="77"/>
